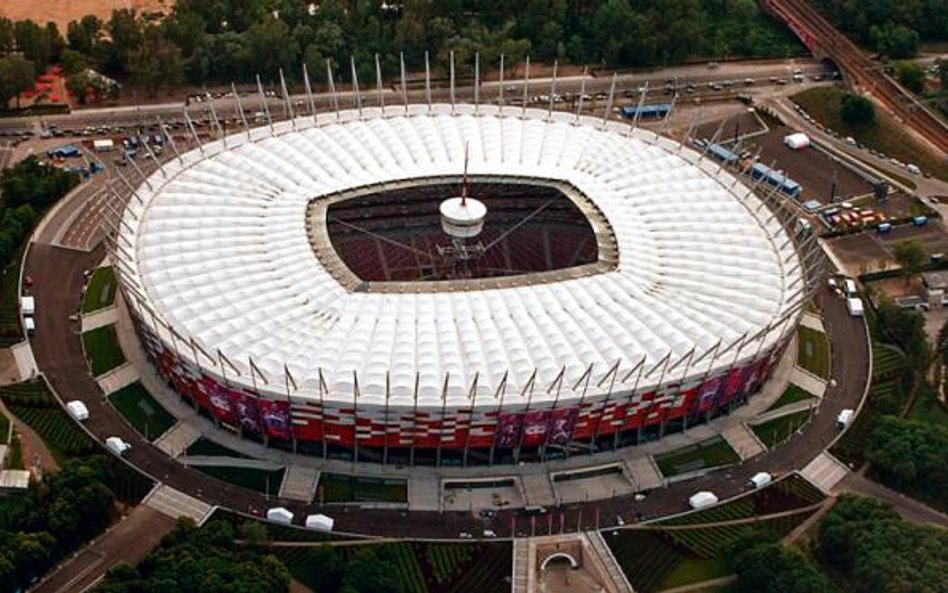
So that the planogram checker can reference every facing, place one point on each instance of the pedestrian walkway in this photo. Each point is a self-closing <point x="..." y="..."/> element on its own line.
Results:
<point x="223" y="461"/>
<point x="174" y="503"/>
<point x="177" y="439"/>
<point x="23" y="355"/>
<point x="117" y="378"/>
<point x="644" y="473"/>
<point x="808" y="382"/>
<point x="825" y="471"/>
<point x="521" y="565"/>
<point x="299" y="483"/>
<point x="600" y="484"/>
<point x="786" y="410"/>
<point x="743" y="440"/>
<point x="99" y="318"/>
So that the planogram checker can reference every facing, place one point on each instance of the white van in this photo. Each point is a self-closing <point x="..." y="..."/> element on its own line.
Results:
<point x="849" y="287"/>
<point x="78" y="410"/>
<point x="844" y="418"/>
<point x="117" y="445"/>
<point x="854" y="304"/>
<point x="29" y="324"/>
<point x="28" y="305"/>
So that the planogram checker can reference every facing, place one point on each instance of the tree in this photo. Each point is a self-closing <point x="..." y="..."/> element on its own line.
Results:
<point x="16" y="75"/>
<point x="83" y="35"/>
<point x="769" y="566"/>
<point x="895" y="41"/>
<point x="911" y="76"/>
<point x="34" y="42"/>
<point x="857" y="111"/>
<point x="911" y="257"/>
<point x="156" y="63"/>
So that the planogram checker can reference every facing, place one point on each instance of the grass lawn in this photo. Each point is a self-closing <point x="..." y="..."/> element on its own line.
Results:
<point x="792" y="395"/>
<point x="928" y="409"/>
<point x="344" y="488"/>
<point x="10" y="330"/>
<point x="100" y="293"/>
<point x="142" y="411"/>
<point x="776" y="431"/>
<point x="4" y="429"/>
<point x="695" y="570"/>
<point x="813" y="352"/>
<point x="102" y="349"/>
<point x="204" y="446"/>
<point x="823" y="105"/>
<point x="259" y="480"/>
<point x="15" y="454"/>
<point x="713" y="452"/>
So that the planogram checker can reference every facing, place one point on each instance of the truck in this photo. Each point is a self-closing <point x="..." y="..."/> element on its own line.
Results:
<point x="78" y="410"/>
<point x="28" y="305"/>
<point x="104" y="145"/>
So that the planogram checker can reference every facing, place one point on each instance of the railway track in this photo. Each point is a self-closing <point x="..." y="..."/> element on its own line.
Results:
<point x="815" y="31"/>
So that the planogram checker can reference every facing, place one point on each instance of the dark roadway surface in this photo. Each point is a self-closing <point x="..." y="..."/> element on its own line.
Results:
<point x="58" y="275"/>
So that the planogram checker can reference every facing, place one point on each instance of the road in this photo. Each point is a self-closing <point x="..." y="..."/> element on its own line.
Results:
<point x="58" y="276"/>
<point x="627" y="85"/>
<point x="909" y="508"/>
<point x="129" y="541"/>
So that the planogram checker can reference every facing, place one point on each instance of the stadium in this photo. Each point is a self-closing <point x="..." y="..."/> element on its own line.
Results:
<point x="306" y="284"/>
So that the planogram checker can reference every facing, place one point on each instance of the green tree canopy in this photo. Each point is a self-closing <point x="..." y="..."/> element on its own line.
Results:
<point x="858" y="111"/>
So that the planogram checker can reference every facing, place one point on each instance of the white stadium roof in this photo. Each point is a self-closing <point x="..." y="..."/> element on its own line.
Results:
<point x="217" y="246"/>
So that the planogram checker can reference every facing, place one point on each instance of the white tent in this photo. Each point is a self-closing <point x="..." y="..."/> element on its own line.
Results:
<point x="279" y="515"/>
<point x="702" y="499"/>
<point x="78" y="410"/>
<point x="761" y="479"/>
<point x="319" y="522"/>
<point x="797" y="140"/>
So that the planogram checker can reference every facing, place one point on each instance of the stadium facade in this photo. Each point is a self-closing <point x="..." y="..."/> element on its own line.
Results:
<point x="667" y="290"/>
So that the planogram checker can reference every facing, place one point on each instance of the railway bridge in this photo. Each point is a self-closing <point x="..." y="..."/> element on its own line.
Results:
<point x="824" y="41"/>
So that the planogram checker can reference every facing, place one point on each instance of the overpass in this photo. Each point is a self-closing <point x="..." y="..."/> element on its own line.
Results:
<point x="823" y="40"/>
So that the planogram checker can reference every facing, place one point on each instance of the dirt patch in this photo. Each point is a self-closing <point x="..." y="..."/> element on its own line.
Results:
<point x="63" y="11"/>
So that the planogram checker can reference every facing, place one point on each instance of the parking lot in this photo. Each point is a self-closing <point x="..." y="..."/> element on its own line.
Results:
<point x="811" y="168"/>
<point x="871" y="251"/>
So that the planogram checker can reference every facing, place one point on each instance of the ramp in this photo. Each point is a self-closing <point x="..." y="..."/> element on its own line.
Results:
<point x="174" y="503"/>
<point x="299" y="483"/>
<point x="743" y="440"/>
<point x="643" y="473"/>
<point x="177" y="439"/>
<point x="825" y="471"/>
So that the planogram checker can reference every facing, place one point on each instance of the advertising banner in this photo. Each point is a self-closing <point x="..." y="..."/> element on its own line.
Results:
<point x="536" y="423"/>
<point x="707" y="394"/>
<point x="562" y="423"/>
<point x="508" y="430"/>
<point x="275" y="416"/>
<point x="245" y="410"/>
<point x="219" y="400"/>
<point x="732" y="386"/>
